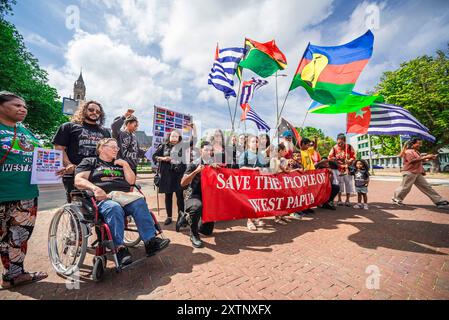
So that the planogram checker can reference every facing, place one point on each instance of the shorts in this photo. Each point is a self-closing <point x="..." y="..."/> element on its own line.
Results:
<point x="346" y="183"/>
<point x="361" y="189"/>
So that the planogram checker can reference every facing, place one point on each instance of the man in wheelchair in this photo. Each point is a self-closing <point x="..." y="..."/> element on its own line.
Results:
<point x="104" y="174"/>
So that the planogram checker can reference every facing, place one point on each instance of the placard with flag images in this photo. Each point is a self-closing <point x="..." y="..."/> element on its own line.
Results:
<point x="165" y="121"/>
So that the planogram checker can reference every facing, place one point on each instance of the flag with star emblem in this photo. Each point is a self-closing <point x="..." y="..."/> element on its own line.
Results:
<point x="358" y="122"/>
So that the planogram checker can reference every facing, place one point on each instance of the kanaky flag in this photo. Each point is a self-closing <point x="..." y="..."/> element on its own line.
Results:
<point x="359" y="121"/>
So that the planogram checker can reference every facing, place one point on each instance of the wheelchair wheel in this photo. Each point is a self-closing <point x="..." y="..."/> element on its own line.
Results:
<point x="132" y="237"/>
<point x="98" y="270"/>
<point x="67" y="240"/>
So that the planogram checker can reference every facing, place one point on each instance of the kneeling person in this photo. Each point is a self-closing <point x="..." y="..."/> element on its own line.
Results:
<point x="193" y="203"/>
<point x="104" y="174"/>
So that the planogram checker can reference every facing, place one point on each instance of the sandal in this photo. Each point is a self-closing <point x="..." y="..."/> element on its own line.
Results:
<point x="251" y="226"/>
<point x="35" y="277"/>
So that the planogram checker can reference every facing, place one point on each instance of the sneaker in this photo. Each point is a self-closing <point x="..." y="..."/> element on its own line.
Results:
<point x="358" y="206"/>
<point x="259" y="223"/>
<point x="443" y="206"/>
<point x="279" y="221"/>
<point x="442" y="203"/>
<point x="124" y="257"/>
<point x="348" y="204"/>
<point x="296" y="215"/>
<point x="155" y="245"/>
<point x="365" y="206"/>
<point x="284" y="218"/>
<point x="340" y="203"/>
<point x="397" y="201"/>
<point x="168" y="221"/>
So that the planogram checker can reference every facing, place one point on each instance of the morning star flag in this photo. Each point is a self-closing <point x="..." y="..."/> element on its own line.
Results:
<point x="386" y="119"/>
<point x="329" y="74"/>
<point x="250" y="114"/>
<point x="224" y="68"/>
<point x="287" y="126"/>
<point x="248" y="89"/>
<point x="264" y="59"/>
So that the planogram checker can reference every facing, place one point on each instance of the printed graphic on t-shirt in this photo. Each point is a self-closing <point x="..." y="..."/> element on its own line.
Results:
<point x="110" y="173"/>
<point x="21" y="151"/>
<point x="87" y="143"/>
<point x="129" y="146"/>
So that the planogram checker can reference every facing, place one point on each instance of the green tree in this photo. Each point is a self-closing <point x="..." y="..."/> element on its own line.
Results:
<point x="6" y="7"/>
<point x="421" y="86"/>
<point x="325" y="143"/>
<point x="21" y="74"/>
<point x="388" y="145"/>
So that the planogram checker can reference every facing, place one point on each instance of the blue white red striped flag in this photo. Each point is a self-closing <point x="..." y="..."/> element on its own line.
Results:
<point x="224" y="68"/>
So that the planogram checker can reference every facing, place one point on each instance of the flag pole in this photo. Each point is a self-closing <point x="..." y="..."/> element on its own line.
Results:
<point x="230" y="115"/>
<point x="237" y="101"/>
<point x="370" y="154"/>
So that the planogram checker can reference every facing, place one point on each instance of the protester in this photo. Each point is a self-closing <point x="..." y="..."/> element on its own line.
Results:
<point x="279" y="164"/>
<point x="127" y="141"/>
<point x="306" y="157"/>
<point x="295" y="164"/>
<point x="344" y="155"/>
<point x="333" y="178"/>
<point x="413" y="174"/>
<point x="193" y="202"/>
<point x="218" y="145"/>
<point x="18" y="198"/>
<point x="286" y="139"/>
<point x="251" y="159"/>
<point x="104" y="174"/>
<point x="361" y="181"/>
<point x="314" y="154"/>
<point x="78" y="139"/>
<point x="265" y="147"/>
<point x="171" y="157"/>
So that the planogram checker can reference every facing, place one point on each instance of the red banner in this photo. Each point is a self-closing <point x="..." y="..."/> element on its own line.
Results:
<point x="230" y="194"/>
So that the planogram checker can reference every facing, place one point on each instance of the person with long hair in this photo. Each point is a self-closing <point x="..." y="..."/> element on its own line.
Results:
<point x="217" y="141"/>
<point x="18" y="198"/>
<point x="78" y="139"/>
<point x="171" y="157"/>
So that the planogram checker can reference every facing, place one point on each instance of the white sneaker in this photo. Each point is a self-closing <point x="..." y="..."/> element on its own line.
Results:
<point x="397" y="201"/>
<point x="365" y="206"/>
<point x="358" y="206"/>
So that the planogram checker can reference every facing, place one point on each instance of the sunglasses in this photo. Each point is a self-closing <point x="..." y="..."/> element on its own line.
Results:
<point x="97" y="111"/>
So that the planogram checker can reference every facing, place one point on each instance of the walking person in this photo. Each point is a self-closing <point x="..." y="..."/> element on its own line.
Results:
<point x="18" y="198"/>
<point x="78" y="139"/>
<point x="413" y="174"/>
<point x="344" y="155"/>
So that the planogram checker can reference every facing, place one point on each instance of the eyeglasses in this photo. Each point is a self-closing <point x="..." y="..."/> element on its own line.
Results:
<point x="97" y="111"/>
<point x="112" y="147"/>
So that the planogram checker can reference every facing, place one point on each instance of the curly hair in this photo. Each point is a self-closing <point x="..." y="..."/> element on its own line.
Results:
<point x="80" y="113"/>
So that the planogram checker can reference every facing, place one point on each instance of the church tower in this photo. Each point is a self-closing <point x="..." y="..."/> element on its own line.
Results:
<point x="79" y="89"/>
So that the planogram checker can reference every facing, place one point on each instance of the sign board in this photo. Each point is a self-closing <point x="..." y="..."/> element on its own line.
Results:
<point x="165" y="121"/>
<point x="69" y="106"/>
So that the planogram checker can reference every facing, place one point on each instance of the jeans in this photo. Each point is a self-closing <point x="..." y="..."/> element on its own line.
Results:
<point x="114" y="216"/>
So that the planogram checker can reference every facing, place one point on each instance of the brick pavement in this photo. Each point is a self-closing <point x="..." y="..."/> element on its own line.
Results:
<point x="324" y="256"/>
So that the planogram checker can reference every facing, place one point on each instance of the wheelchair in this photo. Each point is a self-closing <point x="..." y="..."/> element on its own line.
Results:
<point x="71" y="227"/>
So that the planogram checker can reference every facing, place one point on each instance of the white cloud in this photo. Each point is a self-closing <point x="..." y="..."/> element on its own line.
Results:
<point x="115" y="75"/>
<point x="34" y="38"/>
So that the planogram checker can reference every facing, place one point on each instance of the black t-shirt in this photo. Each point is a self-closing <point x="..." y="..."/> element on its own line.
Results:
<point x="80" y="140"/>
<point x="195" y="185"/>
<point x="360" y="177"/>
<point x="105" y="175"/>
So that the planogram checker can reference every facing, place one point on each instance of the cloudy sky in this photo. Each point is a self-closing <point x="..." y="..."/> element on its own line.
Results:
<point x="144" y="53"/>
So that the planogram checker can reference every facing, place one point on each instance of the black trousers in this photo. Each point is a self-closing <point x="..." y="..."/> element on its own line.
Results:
<point x="194" y="210"/>
<point x="169" y="202"/>
<point x="69" y="186"/>
<point x="335" y="189"/>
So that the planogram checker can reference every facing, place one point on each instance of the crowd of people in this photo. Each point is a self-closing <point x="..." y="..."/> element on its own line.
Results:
<point x="95" y="160"/>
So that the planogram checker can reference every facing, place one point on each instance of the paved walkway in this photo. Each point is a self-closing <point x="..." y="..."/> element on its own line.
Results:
<point x="331" y="255"/>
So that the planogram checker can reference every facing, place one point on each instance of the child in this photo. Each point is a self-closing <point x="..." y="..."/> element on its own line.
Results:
<point x="361" y="180"/>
